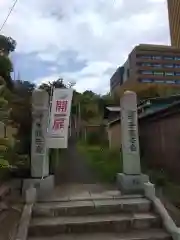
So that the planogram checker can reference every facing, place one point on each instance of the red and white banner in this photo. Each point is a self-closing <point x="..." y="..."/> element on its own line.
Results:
<point x="59" y="118"/>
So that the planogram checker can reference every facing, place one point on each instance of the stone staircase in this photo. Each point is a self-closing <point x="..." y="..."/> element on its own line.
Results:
<point x="127" y="217"/>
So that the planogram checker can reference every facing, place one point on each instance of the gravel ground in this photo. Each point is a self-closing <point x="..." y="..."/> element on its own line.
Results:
<point x="73" y="168"/>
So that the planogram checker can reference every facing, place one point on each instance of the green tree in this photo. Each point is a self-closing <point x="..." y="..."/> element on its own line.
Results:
<point x="5" y="70"/>
<point x="5" y="143"/>
<point x="7" y="44"/>
<point x="21" y="113"/>
<point x="59" y="83"/>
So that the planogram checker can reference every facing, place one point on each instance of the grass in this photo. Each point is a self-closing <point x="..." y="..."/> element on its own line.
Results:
<point x="170" y="189"/>
<point x="105" y="162"/>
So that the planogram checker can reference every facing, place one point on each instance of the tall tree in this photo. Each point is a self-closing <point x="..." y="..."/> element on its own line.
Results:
<point x="7" y="44"/>
<point x="5" y="70"/>
<point x="59" y="83"/>
<point x="4" y="117"/>
<point x="21" y="113"/>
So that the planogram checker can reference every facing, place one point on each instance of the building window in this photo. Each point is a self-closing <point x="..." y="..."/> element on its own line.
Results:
<point x="156" y="57"/>
<point x="177" y="74"/>
<point x="158" y="81"/>
<point x="177" y="66"/>
<point x="168" y="65"/>
<point x="145" y="56"/>
<point x="146" y="72"/>
<point x="146" y="64"/>
<point x="177" y="58"/>
<point x="178" y="81"/>
<point x="169" y="74"/>
<point x="157" y="65"/>
<point x="158" y="73"/>
<point x="170" y="81"/>
<point x="146" y="80"/>
<point x="168" y="58"/>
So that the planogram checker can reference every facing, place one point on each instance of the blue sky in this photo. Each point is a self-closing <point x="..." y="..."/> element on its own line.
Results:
<point x="81" y="41"/>
<point x="30" y="66"/>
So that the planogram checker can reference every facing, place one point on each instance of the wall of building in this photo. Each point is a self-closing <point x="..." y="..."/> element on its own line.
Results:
<point x="126" y="73"/>
<point x="114" y="135"/>
<point x="148" y="66"/>
<point x="174" y="19"/>
<point x="160" y="143"/>
<point x="116" y="79"/>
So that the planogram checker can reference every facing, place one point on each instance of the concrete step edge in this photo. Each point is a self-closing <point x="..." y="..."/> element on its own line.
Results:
<point x="91" y="219"/>
<point x="117" y="201"/>
<point x="158" y="234"/>
<point x="91" y="207"/>
<point x="64" y="199"/>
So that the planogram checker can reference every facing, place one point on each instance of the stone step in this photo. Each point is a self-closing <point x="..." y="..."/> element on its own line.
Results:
<point x="95" y="223"/>
<point x="73" y="208"/>
<point x="154" y="234"/>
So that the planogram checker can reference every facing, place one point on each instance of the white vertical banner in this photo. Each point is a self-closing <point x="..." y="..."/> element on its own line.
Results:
<point x="59" y="118"/>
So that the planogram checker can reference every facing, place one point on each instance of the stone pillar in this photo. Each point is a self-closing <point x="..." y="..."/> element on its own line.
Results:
<point x="131" y="180"/>
<point x="40" y="177"/>
<point x="39" y="152"/>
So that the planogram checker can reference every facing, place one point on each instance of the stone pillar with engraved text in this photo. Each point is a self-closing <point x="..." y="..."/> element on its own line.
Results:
<point x="131" y="180"/>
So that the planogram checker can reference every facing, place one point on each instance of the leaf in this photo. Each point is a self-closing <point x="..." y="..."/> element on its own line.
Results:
<point x="4" y="163"/>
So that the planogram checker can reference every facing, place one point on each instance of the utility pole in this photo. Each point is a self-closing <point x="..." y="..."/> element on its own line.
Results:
<point x="49" y="117"/>
<point x="79" y="118"/>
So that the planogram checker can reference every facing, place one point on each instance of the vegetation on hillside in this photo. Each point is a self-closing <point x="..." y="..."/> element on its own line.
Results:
<point x="7" y="45"/>
<point x="5" y="143"/>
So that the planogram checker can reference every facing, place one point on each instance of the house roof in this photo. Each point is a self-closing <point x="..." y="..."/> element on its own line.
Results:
<point x="113" y="109"/>
<point x="146" y="107"/>
<point x="168" y="99"/>
<point x="153" y="112"/>
<point x="168" y="109"/>
<point x="117" y="120"/>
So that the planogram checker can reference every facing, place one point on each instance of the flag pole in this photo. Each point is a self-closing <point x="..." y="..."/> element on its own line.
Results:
<point x="48" y="123"/>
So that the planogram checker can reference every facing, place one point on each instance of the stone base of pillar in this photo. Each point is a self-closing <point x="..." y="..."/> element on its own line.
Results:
<point x="131" y="184"/>
<point x="44" y="186"/>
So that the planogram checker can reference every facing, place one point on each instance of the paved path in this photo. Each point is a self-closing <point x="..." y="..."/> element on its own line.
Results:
<point x="74" y="178"/>
<point x="73" y="167"/>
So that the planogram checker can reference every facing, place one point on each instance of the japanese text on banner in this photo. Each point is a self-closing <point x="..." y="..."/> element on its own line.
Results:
<point x="60" y="113"/>
<point x="61" y="106"/>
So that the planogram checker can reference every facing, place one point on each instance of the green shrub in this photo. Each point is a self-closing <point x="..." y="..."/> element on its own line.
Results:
<point x="98" y="137"/>
<point x="93" y="138"/>
<point x="105" y="162"/>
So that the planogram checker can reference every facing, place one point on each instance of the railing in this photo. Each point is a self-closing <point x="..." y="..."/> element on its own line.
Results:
<point x="168" y="223"/>
<point x="30" y="198"/>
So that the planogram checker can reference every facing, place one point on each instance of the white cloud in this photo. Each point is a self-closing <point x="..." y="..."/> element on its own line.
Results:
<point x="92" y="77"/>
<point x="102" y="32"/>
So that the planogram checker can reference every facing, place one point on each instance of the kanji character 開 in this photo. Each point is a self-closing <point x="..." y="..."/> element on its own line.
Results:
<point x="61" y="106"/>
<point x="58" y="124"/>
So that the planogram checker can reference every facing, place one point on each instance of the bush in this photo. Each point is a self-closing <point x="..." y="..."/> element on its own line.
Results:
<point x="105" y="162"/>
<point x="93" y="138"/>
<point x="98" y="137"/>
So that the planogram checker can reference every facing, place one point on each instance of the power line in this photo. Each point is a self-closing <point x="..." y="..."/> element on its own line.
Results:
<point x="11" y="9"/>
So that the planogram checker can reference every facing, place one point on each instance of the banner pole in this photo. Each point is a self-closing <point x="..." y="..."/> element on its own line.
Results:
<point x="48" y="123"/>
